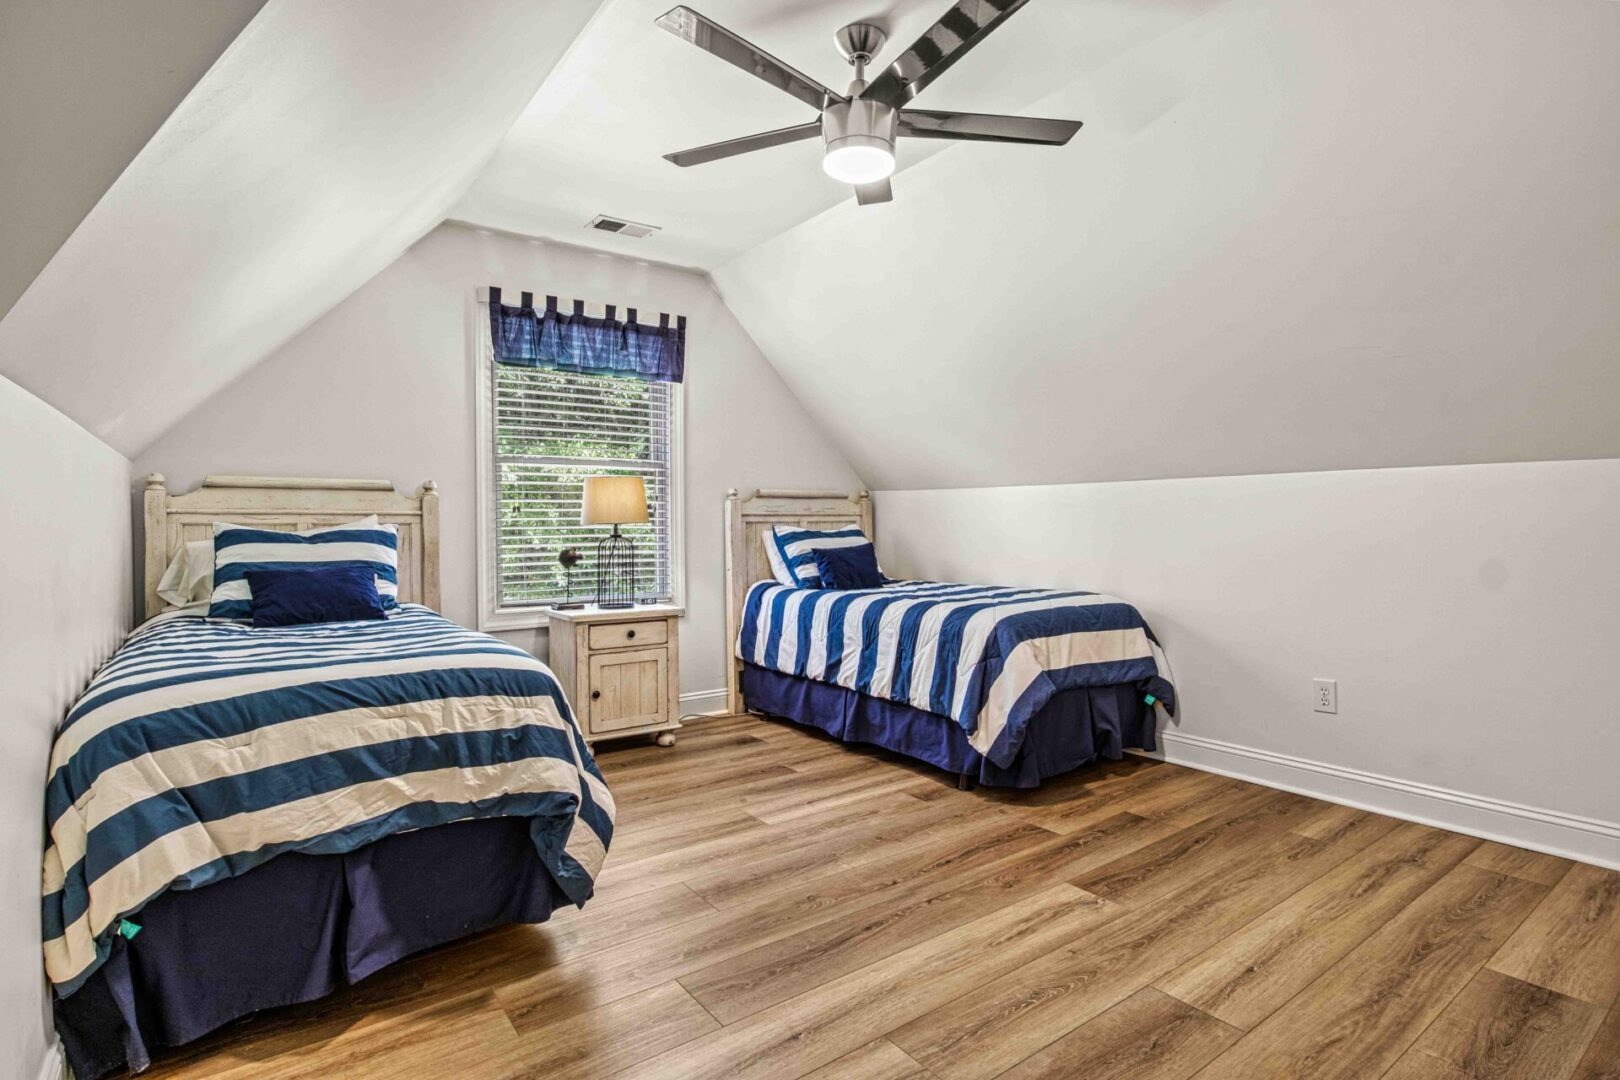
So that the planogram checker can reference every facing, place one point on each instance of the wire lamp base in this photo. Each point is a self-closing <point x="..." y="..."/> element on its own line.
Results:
<point x="616" y="571"/>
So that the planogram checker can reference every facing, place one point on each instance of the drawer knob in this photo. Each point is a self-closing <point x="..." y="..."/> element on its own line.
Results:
<point x="595" y="694"/>
<point x="630" y="633"/>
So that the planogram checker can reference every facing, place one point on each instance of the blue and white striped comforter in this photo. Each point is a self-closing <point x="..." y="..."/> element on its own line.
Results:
<point x="987" y="657"/>
<point x="205" y="748"/>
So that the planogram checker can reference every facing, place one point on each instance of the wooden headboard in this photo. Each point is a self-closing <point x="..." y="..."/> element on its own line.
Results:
<point x="747" y="521"/>
<point x="289" y="504"/>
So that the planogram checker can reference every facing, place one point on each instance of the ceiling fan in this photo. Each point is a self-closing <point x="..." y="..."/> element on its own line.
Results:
<point x="860" y="127"/>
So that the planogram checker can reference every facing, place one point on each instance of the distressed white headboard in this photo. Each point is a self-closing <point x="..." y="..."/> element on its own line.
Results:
<point x="289" y="504"/>
<point x="747" y="521"/>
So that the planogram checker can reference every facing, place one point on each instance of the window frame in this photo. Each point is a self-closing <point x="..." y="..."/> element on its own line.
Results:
<point x="491" y="616"/>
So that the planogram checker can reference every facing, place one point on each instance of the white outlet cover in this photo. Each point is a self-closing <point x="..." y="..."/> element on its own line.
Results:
<point x="1325" y="695"/>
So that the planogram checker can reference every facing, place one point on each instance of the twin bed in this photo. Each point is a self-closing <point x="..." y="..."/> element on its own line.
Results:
<point x="246" y="816"/>
<point x="1001" y="686"/>
<point x="241" y="817"/>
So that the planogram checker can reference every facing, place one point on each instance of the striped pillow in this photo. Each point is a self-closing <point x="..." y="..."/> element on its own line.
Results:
<point x="238" y="549"/>
<point x="792" y="551"/>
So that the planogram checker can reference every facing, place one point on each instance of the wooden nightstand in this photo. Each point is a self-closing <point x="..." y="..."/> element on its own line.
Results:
<point x="620" y="668"/>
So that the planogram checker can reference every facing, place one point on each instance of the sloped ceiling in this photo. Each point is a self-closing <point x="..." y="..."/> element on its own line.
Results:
<point x="323" y="142"/>
<point x="83" y="85"/>
<point x="592" y="139"/>
<point x="1291" y="237"/>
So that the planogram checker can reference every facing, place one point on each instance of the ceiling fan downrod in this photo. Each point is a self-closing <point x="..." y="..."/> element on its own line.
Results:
<point x="859" y="134"/>
<point x="859" y="43"/>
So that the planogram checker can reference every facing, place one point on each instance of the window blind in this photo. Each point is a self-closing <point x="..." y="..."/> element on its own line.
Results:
<point x="552" y="429"/>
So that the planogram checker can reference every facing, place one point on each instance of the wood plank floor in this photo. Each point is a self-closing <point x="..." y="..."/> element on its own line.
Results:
<point x="777" y="905"/>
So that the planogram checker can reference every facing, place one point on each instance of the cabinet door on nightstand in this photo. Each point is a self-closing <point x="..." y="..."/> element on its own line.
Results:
<point x="628" y="690"/>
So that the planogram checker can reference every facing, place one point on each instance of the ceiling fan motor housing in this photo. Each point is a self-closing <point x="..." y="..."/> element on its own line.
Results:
<point x="859" y="122"/>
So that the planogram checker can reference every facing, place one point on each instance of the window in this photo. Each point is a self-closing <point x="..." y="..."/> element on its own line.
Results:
<point x="544" y="432"/>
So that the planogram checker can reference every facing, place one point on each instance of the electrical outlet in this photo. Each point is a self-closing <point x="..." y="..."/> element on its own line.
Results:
<point x="1325" y="695"/>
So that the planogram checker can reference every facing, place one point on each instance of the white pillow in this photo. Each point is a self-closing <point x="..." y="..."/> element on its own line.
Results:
<point x="189" y="577"/>
<point x="792" y="551"/>
<point x="190" y="574"/>
<point x="237" y="548"/>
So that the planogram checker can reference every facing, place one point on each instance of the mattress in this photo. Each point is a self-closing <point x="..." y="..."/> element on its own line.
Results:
<point x="205" y="749"/>
<point x="987" y="658"/>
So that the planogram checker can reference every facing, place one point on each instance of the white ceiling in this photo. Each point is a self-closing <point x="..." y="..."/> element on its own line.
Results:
<point x="290" y="174"/>
<point x="83" y="85"/>
<point x="327" y="139"/>
<point x="627" y="92"/>
<point x="1292" y="237"/>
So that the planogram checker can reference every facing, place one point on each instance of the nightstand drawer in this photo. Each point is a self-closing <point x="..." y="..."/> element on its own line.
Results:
<point x="628" y="689"/>
<point x="626" y="634"/>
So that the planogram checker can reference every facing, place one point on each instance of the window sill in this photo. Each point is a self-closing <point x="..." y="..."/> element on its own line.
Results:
<point x="490" y="621"/>
<point x="537" y="619"/>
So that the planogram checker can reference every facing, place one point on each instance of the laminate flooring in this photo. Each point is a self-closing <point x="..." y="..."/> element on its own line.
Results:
<point x="778" y="905"/>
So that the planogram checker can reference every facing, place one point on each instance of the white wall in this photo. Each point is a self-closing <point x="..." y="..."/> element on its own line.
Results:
<point x="1471" y="615"/>
<point x="1291" y="236"/>
<point x="382" y="386"/>
<point x="65" y="543"/>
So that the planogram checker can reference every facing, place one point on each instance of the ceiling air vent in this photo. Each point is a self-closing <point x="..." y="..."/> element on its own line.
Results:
<point x="603" y="223"/>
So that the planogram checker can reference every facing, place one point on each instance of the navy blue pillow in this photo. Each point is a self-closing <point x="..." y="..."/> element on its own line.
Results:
<point x="849" y="567"/>
<point x="331" y="592"/>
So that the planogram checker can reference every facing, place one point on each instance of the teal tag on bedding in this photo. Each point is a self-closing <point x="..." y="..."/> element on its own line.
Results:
<point x="128" y="929"/>
<point x="1150" y="699"/>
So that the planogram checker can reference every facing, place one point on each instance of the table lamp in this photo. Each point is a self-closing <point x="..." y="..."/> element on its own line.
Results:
<point x="615" y="500"/>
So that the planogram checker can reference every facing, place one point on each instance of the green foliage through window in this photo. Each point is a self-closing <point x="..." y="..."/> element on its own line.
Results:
<point x="552" y="430"/>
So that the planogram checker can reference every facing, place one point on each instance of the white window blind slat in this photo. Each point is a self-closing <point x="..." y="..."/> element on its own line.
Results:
<point x="551" y="430"/>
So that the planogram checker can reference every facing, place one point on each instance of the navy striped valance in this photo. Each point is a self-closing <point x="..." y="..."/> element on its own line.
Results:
<point x="573" y="341"/>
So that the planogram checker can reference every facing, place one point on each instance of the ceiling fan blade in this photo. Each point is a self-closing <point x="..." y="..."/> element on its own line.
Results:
<point x="947" y="41"/>
<point x="878" y="192"/>
<point x="732" y="147"/>
<point x="685" y="23"/>
<point x="984" y="127"/>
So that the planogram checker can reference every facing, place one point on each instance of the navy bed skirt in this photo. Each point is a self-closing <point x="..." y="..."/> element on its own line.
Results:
<point x="296" y="929"/>
<point x="1076" y="726"/>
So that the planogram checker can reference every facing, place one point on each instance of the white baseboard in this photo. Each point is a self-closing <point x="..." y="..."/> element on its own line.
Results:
<point x="704" y="703"/>
<point x="1567" y="835"/>
<point x="54" y="1067"/>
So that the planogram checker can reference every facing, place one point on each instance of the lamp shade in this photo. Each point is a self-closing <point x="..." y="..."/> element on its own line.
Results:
<point x="614" y="500"/>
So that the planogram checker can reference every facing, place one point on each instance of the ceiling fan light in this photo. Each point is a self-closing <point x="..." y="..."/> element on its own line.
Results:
<point x="859" y="159"/>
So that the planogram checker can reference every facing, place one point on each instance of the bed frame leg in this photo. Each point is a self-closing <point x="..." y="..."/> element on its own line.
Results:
<point x="965" y="781"/>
